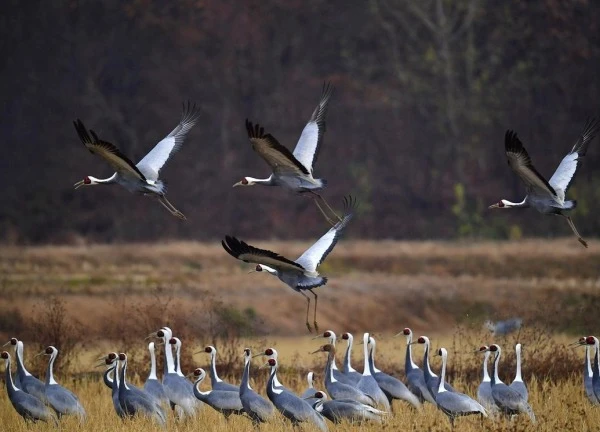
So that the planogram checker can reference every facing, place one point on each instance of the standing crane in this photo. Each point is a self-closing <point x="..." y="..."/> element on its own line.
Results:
<point x="143" y="176"/>
<point x="414" y="374"/>
<point x="349" y="371"/>
<point x="27" y="406"/>
<point x="271" y="353"/>
<point x="509" y="401"/>
<point x="152" y="385"/>
<point x="548" y="196"/>
<point x="63" y="401"/>
<point x="111" y="362"/>
<point x="431" y="379"/>
<point x="518" y="383"/>
<point x="340" y="376"/>
<point x="484" y="391"/>
<point x="216" y="382"/>
<point x="24" y="380"/>
<point x="291" y="406"/>
<point x="258" y="409"/>
<point x="339" y="410"/>
<point x="367" y="384"/>
<point x="455" y="404"/>
<point x="391" y="386"/>
<point x="300" y="275"/>
<point x="293" y="171"/>
<point x="588" y="374"/>
<point x="224" y="401"/>
<point x="593" y="341"/>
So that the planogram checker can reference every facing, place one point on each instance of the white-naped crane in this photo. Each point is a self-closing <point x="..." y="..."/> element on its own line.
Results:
<point x="431" y="379"/>
<point x="414" y="375"/>
<point x="348" y="370"/>
<point x="62" y="400"/>
<point x="143" y="176"/>
<point x="258" y="409"/>
<point x="588" y="374"/>
<point x="367" y="383"/>
<point x="224" y="401"/>
<point x="340" y="376"/>
<point x="216" y="382"/>
<point x="518" y="383"/>
<point x="339" y="410"/>
<point x="590" y="341"/>
<point x="23" y="379"/>
<point x="271" y="353"/>
<point x="293" y="170"/>
<point x="152" y="385"/>
<point x="27" y="406"/>
<point x="455" y="404"/>
<point x="484" y="391"/>
<point x="301" y="274"/>
<point x="548" y="196"/>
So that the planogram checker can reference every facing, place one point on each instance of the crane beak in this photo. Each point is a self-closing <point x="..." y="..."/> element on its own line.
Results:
<point x="7" y="343"/>
<point x="265" y="365"/>
<point x="78" y="184"/>
<point x="237" y="184"/>
<point x="40" y="353"/>
<point x="493" y="206"/>
<point x="577" y="343"/>
<point x="258" y="355"/>
<point x="252" y="271"/>
<point x="317" y="351"/>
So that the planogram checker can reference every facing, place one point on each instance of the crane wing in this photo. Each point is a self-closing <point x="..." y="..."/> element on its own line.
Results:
<point x="562" y="177"/>
<point x="315" y="254"/>
<point x="107" y="151"/>
<point x="153" y="162"/>
<point x="309" y="144"/>
<point x="245" y="252"/>
<point x="279" y="158"/>
<point x="520" y="162"/>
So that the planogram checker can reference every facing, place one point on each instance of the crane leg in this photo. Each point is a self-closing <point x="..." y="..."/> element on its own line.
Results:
<point x="317" y="195"/>
<point x="315" y="316"/>
<point x="166" y="204"/>
<point x="307" y="310"/>
<point x="572" y="225"/>
<point x="327" y="218"/>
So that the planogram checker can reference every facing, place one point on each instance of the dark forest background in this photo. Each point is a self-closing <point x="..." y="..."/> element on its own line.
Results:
<point x="424" y="93"/>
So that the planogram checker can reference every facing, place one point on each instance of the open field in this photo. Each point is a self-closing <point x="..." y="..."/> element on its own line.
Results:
<point x="108" y="297"/>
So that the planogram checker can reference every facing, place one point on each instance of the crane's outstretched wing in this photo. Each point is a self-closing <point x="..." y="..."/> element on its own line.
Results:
<point x="520" y="162"/>
<point x="107" y="151"/>
<point x="562" y="177"/>
<point x="309" y="144"/>
<point x="315" y="254"/>
<point x="279" y="158"/>
<point x="152" y="163"/>
<point x="243" y="251"/>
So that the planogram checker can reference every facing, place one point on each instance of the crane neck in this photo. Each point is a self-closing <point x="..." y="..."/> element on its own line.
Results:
<point x="214" y="377"/>
<point x="309" y="380"/>
<point x="123" y="384"/>
<point x="329" y="367"/>
<point x="116" y="383"/>
<point x="374" y="370"/>
<point x="265" y="182"/>
<point x="332" y="341"/>
<point x="49" y="370"/>
<point x="348" y="357"/>
<point x="109" y="180"/>
<point x="495" y="378"/>
<point x="510" y="204"/>
<point x="518" y="374"/>
<point x="246" y="375"/>
<point x="11" y="388"/>
<point x="426" y="360"/>
<point x="366" y="368"/>
<point x="169" y="356"/>
<point x="273" y="380"/>
<point x="486" y="375"/>
<point x="20" y="362"/>
<point x="588" y="362"/>
<point x="595" y="367"/>
<point x="441" y="388"/>
<point x="178" y="359"/>
<point x="152" y="375"/>
<point x="201" y="395"/>
<point x="409" y="364"/>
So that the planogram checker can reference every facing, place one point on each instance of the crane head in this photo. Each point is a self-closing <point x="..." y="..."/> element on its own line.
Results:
<point x="407" y="332"/>
<point x="421" y="340"/>
<point x="482" y="349"/>
<point x="86" y="181"/>
<point x="590" y="340"/>
<point x="199" y="373"/>
<point x="346" y="336"/>
<point x="271" y="362"/>
<point x="173" y="341"/>
<point x="210" y="349"/>
<point x="247" y="352"/>
<point x="244" y="182"/>
<point x="494" y="348"/>
<point x="499" y="204"/>
<point x="122" y="356"/>
<point x="12" y="341"/>
<point x="5" y="355"/>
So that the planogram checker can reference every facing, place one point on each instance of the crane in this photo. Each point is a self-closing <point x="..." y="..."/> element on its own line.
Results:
<point x="509" y="401"/>
<point x="300" y="275"/>
<point x="27" y="406"/>
<point x="258" y="409"/>
<point x="152" y="385"/>
<point x="338" y="389"/>
<point x="484" y="391"/>
<point x="340" y="376"/>
<point x="367" y="384"/>
<point x="137" y="403"/>
<point x="291" y="406"/>
<point x="414" y="374"/>
<point x="143" y="176"/>
<point x="548" y="196"/>
<point x="111" y="362"/>
<point x="518" y="383"/>
<point x="24" y="380"/>
<point x="216" y="382"/>
<point x="293" y="171"/>
<point x="455" y="404"/>
<point x="272" y="353"/>
<point x="63" y="401"/>
<point x="595" y="384"/>
<point x="349" y="371"/>
<point x="588" y="374"/>
<point x="391" y="386"/>
<point x="339" y="410"/>
<point x="225" y="401"/>
<point x="431" y="379"/>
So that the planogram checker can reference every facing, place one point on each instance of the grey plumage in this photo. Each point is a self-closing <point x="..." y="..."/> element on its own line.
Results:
<point x="367" y="384"/>
<point x="27" y="406"/>
<point x="414" y="375"/>
<point x="348" y="370"/>
<point x="216" y="382"/>
<point x="502" y="328"/>
<point x="339" y="375"/>
<point x="23" y="379"/>
<point x="291" y="406"/>
<point x="226" y="402"/>
<point x="153" y="386"/>
<point x="257" y="408"/>
<point x="455" y="404"/>
<point x="518" y="385"/>
<point x="588" y="373"/>
<point x="391" y="386"/>
<point x="271" y="353"/>
<point x="484" y="391"/>
<point x="345" y="409"/>
<point x="431" y="379"/>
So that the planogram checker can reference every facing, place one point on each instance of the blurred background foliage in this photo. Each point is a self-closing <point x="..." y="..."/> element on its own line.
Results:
<point x="424" y="93"/>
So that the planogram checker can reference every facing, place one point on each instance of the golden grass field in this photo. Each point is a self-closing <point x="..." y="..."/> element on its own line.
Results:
<point x="116" y="294"/>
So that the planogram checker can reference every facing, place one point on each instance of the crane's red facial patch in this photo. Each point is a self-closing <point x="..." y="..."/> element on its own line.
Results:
<point x="172" y="341"/>
<point x="483" y="348"/>
<point x="590" y="340"/>
<point x="494" y="348"/>
<point x="258" y="268"/>
<point x="244" y="181"/>
<point x="122" y="357"/>
<point x="500" y="204"/>
<point x="345" y="336"/>
<point x="272" y="362"/>
<point x="421" y="340"/>
<point x="439" y="352"/>
<point x="4" y="355"/>
<point x="406" y="331"/>
<point x="108" y="361"/>
<point x="247" y="351"/>
<point x="49" y="350"/>
<point x="112" y="356"/>
<point x="208" y="349"/>
<point x="268" y="351"/>
<point x="160" y="333"/>
<point x="327" y="334"/>
<point x="87" y="181"/>
<point x="319" y="395"/>
<point x="13" y="341"/>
